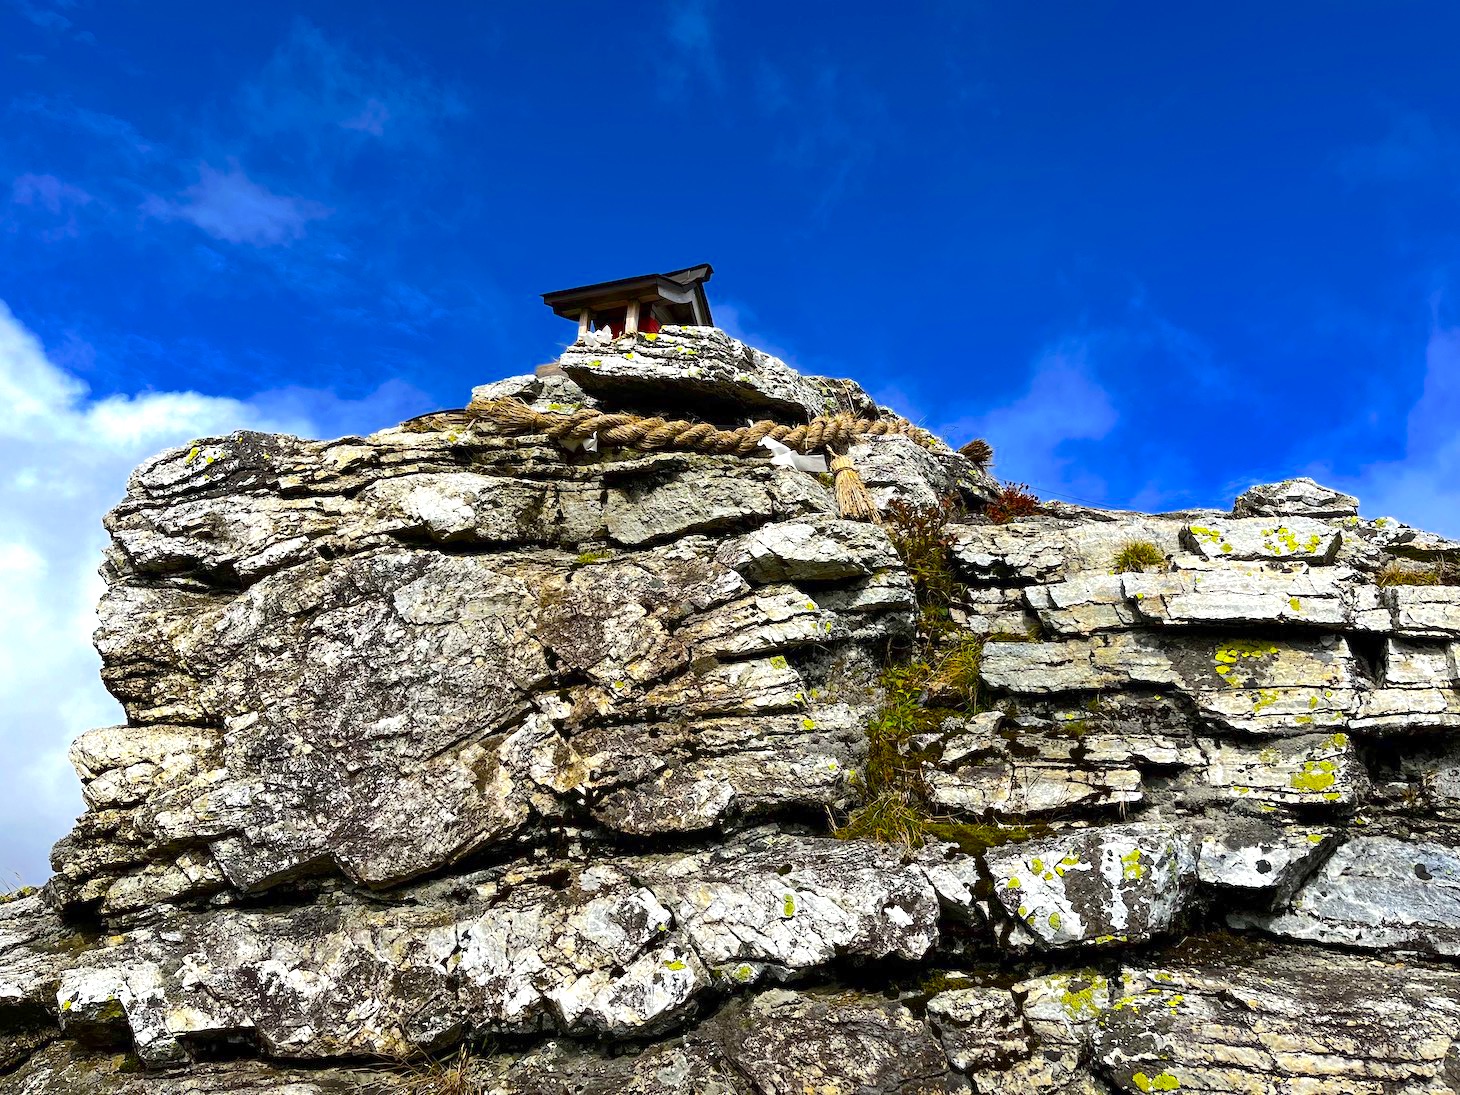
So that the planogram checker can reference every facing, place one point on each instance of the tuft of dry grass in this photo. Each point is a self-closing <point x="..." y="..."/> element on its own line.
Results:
<point x="1400" y="573"/>
<point x="978" y="452"/>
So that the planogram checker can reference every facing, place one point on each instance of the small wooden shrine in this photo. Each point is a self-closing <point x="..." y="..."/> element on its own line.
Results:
<point x="643" y="303"/>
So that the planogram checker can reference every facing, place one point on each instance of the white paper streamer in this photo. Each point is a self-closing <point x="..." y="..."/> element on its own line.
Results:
<point x="787" y="458"/>
<point x="590" y="445"/>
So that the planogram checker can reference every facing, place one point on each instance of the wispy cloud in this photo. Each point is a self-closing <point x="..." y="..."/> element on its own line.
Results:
<point x="692" y="56"/>
<point x="1036" y="436"/>
<point x="312" y="86"/>
<point x="1423" y="489"/>
<point x="1414" y="148"/>
<point x="47" y="194"/>
<point x="230" y="206"/>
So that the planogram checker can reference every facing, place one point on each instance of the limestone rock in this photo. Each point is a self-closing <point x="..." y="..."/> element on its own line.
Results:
<point x="1244" y="538"/>
<point x="1300" y="497"/>
<point x="980" y="1028"/>
<point x="699" y="367"/>
<point x="1282" y="1019"/>
<point x="839" y="1041"/>
<point x="1253" y="856"/>
<point x="1117" y="884"/>
<point x="785" y="905"/>
<point x="1377" y="893"/>
<point x="453" y="758"/>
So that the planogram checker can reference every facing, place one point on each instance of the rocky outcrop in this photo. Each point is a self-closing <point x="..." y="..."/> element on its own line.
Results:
<point x="463" y="762"/>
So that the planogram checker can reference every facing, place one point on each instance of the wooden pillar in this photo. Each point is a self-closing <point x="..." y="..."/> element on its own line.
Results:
<point x="631" y="318"/>
<point x="585" y="320"/>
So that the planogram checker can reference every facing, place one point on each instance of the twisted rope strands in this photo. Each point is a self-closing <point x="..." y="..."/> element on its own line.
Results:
<point x="829" y="433"/>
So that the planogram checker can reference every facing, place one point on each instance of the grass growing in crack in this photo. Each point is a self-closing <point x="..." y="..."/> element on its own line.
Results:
<point x="1399" y="572"/>
<point x="450" y="1077"/>
<point x="938" y="680"/>
<point x="922" y="540"/>
<point x="1138" y="556"/>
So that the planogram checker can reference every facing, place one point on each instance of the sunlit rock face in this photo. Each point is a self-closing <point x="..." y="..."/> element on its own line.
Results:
<point x="458" y="758"/>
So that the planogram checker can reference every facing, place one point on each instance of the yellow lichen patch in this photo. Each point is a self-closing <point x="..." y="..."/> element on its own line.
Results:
<point x="1162" y="1081"/>
<point x="1130" y="864"/>
<point x="788" y="906"/>
<point x="1230" y="655"/>
<point x="1054" y="921"/>
<point x="1317" y="775"/>
<point x="674" y="964"/>
<point x="1295" y="604"/>
<point x="1264" y="698"/>
<point x="1080" y="1004"/>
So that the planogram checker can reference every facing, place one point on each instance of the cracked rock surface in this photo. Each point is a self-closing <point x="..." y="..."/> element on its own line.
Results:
<point x="458" y="762"/>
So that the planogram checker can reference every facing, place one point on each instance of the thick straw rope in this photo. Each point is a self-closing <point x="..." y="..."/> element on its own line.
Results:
<point x="829" y="434"/>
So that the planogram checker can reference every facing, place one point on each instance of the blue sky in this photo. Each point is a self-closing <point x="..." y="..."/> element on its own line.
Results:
<point x="1153" y="252"/>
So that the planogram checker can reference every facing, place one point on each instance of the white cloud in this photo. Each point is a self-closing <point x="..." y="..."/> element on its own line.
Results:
<point x="64" y="460"/>
<point x="1032" y="435"/>
<point x="230" y="206"/>
<point x="1423" y="489"/>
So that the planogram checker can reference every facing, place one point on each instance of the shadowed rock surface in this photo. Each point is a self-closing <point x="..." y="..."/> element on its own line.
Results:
<point x="457" y="762"/>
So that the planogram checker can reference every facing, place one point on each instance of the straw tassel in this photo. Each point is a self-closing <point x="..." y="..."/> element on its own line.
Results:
<point x="853" y="499"/>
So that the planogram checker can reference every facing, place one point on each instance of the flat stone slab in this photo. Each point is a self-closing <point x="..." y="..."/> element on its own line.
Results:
<point x="1377" y="893"/>
<point x="1301" y="497"/>
<point x="1120" y="883"/>
<point x="1279" y="1019"/>
<point x="692" y="367"/>
<point x="1301" y="539"/>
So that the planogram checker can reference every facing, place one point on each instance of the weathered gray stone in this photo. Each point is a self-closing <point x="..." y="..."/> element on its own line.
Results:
<point x="1301" y="497"/>
<point x="347" y="666"/>
<point x="1300" y="539"/>
<point x="785" y="904"/>
<point x="710" y="495"/>
<point x="1378" y="893"/>
<point x="548" y="392"/>
<point x="980" y="1028"/>
<point x="832" y="1042"/>
<point x="1282" y="686"/>
<point x="1314" y="770"/>
<point x="693" y="367"/>
<point x="816" y="548"/>
<point x="1123" y="883"/>
<point x="1254" y="857"/>
<point x="1041" y="549"/>
<point x="1425" y="611"/>
<point x="1281" y="1020"/>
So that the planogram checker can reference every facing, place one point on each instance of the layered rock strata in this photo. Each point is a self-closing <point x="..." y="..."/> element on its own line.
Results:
<point x="458" y="762"/>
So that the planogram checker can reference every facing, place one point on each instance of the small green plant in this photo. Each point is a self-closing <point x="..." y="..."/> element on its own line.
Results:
<point x="956" y="676"/>
<point x="922" y="540"/>
<point x="1138" y="556"/>
<point x="1013" y="501"/>
<point x="978" y="452"/>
